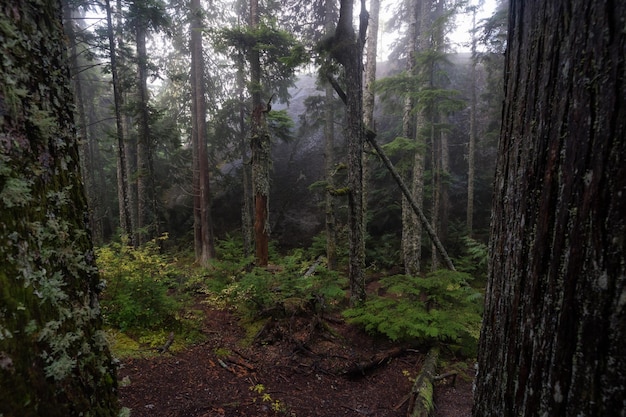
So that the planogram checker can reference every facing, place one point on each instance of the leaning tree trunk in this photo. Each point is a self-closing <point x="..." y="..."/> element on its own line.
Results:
<point x="54" y="359"/>
<point x="554" y="327"/>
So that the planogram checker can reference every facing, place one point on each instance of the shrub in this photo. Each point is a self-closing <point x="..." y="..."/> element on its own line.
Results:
<point x="286" y="290"/>
<point x="440" y="307"/>
<point x="136" y="290"/>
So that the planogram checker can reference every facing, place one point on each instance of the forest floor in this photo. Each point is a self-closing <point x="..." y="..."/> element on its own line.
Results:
<point x="298" y="368"/>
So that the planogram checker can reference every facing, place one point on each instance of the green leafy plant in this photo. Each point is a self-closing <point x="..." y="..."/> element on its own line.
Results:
<point x="287" y="289"/>
<point x="440" y="307"/>
<point x="136" y="291"/>
<point x="475" y="259"/>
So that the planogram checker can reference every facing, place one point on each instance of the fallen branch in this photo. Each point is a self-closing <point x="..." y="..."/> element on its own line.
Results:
<point x="313" y="267"/>
<point x="359" y="369"/>
<point x="168" y="343"/>
<point x="452" y="374"/>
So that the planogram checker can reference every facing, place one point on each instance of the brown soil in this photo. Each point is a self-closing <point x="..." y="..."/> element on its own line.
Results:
<point x="294" y="371"/>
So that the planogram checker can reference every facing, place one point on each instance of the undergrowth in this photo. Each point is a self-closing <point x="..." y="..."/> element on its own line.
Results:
<point x="139" y="299"/>
<point x="438" y="308"/>
<point x="280" y="291"/>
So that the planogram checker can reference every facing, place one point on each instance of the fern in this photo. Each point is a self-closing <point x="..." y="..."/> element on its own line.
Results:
<point x="440" y="307"/>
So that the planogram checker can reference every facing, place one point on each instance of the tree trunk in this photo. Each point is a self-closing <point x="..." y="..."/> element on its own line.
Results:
<point x="554" y="327"/>
<point x="122" y="176"/>
<point x="329" y="167"/>
<point x="435" y="169"/>
<point x="347" y="49"/>
<point x="411" y="226"/>
<point x="330" y="220"/>
<point x="260" y="145"/>
<point x="143" y="136"/>
<point x="420" y="20"/>
<point x="471" y="151"/>
<point x="204" y="229"/>
<point x="247" y="230"/>
<point x="369" y="97"/>
<point x="54" y="359"/>
<point x="88" y="170"/>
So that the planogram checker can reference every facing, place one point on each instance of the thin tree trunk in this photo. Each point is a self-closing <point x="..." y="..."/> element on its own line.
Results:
<point x="329" y="166"/>
<point x="371" y="137"/>
<point x="260" y="145"/>
<point x="554" y="326"/>
<point x="122" y="177"/>
<point x="435" y="168"/>
<point x="369" y="97"/>
<point x="86" y="156"/>
<point x="247" y="230"/>
<point x="411" y="226"/>
<point x="143" y="136"/>
<point x="471" y="152"/>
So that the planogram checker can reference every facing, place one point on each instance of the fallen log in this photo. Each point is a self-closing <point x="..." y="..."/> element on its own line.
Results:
<point x="421" y="396"/>
<point x="360" y="368"/>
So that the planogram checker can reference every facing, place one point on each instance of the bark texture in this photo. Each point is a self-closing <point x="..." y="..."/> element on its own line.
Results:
<point x="554" y="326"/>
<point x="203" y="226"/>
<point x="347" y="48"/>
<point x="54" y="359"/>
<point x="260" y="146"/>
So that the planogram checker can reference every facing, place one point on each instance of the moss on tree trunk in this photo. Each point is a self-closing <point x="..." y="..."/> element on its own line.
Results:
<point x="54" y="359"/>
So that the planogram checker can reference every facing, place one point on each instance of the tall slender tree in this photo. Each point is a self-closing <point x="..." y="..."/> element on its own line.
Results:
<point x="346" y="47"/>
<point x="203" y="227"/>
<point x="54" y="359"/>
<point x="122" y="165"/>
<point x="260" y="145"/>
<point x="554" y="327"/>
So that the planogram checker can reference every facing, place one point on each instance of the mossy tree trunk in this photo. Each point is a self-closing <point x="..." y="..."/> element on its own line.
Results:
<point x="554" y="327"/>
<point x="346" y="47"/>
<point x="413" y="128"/>
<point x="54" y="359"/>
<point x="329" y="154"/>
<point x="260" y="146"/>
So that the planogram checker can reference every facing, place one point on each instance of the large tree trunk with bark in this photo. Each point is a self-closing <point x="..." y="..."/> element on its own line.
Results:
<point x="554" y="327"/>
<point x="54" y="359"/>
<point x="203" y="226"/>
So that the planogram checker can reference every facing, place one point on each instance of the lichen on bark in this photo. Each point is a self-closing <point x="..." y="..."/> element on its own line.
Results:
<point x="54" y="360"/>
